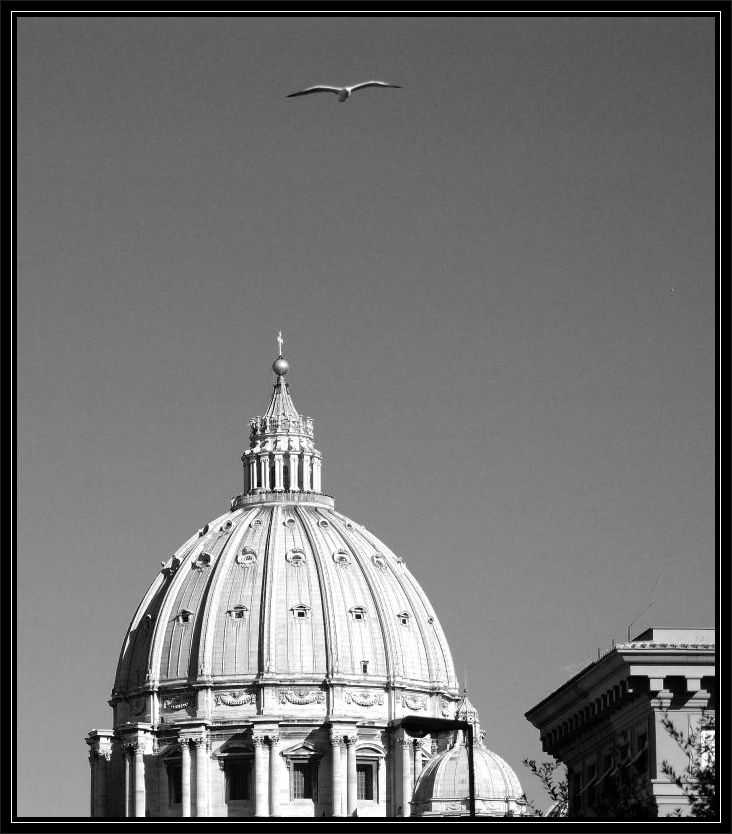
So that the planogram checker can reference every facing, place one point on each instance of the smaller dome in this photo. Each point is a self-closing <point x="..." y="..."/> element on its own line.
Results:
<point x="442" y="788"/>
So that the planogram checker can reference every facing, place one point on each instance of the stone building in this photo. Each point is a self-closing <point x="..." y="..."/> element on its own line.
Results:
<point x="605" y="723"/>
<point x="266" y="669"/>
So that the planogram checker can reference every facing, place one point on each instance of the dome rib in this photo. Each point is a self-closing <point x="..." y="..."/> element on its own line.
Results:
<point x="379" y="546"/>
<point x="198" y="666"/>
<point x="171" y="596"/>
<point x="436" y="643"/>
<point x="360" y="558"/>
<point x="264" y="665"/>
<point x="223" y="567"/>
<point x="125" y="665"/>
<point x="326" y="596"/>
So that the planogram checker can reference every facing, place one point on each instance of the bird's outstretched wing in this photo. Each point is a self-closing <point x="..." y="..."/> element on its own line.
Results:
<point x="374" y="84"/>
<point x="318" y="88"/>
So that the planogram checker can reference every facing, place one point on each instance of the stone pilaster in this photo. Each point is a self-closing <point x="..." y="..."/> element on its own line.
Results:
<point x="264" y="471"/>
<point x="185" y="770"/>
<point x="139" y="779"/>
<point x="252" y="472"/>
<point x="316" y="474"/>
<point x="201" y="745"/>
<point x="352" y="786"/>
<point x="99" y="756"/>
<point x="278" y="472"/>
<point x="274" y="773"/>
<point x="306" y="473"/>
<point x="336" y="775"/>
<point x="406" y="796"/>
<point x="260" y="777"/>
<point x="293" y="485"/>
<point x="128" y="781"/>
<point x="418" y="761"/>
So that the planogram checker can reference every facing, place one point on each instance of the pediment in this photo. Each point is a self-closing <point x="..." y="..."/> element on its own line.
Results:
<point x="370" y="748"/>
<point x="303" y="749"/>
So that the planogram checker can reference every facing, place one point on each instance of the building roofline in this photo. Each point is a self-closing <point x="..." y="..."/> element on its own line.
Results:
<point x="634" y="646"/>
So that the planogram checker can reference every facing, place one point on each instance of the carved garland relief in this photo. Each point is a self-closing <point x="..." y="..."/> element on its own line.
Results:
<point x="414" y="702"/>
<point x="302" y="696"/>
<point x="236" y="698"/>
<point x="364" y="699"/>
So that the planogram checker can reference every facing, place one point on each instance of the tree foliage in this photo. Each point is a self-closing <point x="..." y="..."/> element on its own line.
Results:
<point x="626" y="792"/>
<point x="553" y="780"/>
<point x="699" y="780"/>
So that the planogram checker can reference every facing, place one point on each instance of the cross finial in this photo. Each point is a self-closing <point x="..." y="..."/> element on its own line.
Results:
<point x="279" y="342"/>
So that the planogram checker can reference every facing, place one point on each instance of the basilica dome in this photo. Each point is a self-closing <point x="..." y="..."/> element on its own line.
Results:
<point x="290" y="589"/>
<point x="285" y="588"/>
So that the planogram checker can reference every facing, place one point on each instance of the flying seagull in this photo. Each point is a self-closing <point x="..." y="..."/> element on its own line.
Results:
<point x="343" y="93"/>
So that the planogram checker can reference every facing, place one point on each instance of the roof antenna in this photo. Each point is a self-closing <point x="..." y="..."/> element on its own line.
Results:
<point x="640" y="612"/>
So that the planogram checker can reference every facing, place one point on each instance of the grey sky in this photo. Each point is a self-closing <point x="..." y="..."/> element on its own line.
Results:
<point x="496" y="287"/>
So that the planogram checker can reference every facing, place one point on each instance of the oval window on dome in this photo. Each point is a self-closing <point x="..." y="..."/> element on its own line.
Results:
<point x="246" y="557"/>
<point x="349" y="526"/>
<point x="289" y="523"/>
<point x="295" y="557"/>
<point x="256" y="523"/>
<point x="227" y="526"/>
<point x="342" y="558"/>
<point x="323" y="523"/>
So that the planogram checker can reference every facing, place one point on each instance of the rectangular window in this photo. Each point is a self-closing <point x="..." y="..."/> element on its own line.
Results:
<point x="175" y="784"/>
<point x="302" y="782"/>
<point x="364" y="781"/>
<point x="237" y="780"/>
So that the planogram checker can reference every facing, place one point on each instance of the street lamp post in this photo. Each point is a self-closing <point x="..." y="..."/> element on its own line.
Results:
<point x="419" y="726"/>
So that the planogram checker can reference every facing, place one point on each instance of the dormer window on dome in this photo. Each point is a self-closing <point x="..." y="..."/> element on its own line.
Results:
<point x="203" y="561"/>
<point x="238" y="612"/>
<point x="403" y="617"/>
<point x="295" y="557"/>
<point x="358" y="612"/>
<point x="184" y="617"/>
<point x="301" y="611"/>
<point x="246" y="557"/>
<point x="342" y="558"/>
